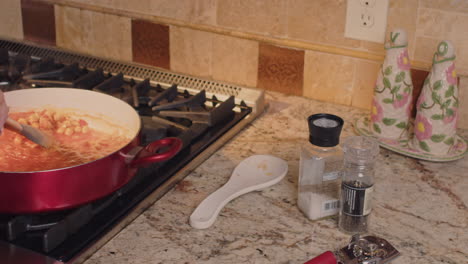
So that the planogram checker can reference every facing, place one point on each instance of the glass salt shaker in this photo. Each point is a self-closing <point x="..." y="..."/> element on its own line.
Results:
<point x="357" y="184"/>
<point x="319" y="167"/>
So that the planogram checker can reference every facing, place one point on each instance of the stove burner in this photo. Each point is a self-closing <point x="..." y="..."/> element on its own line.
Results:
<point x="12" y="68"/>
<point x="169" y="95"/>
<point x="56" y="226"/>
<point x="20" y="71"/>
<point x="47" y="71"/>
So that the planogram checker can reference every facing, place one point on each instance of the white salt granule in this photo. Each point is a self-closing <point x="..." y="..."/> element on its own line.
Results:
<point x="325" y="122"/>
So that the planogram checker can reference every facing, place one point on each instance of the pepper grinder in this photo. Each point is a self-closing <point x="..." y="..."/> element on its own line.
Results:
<point x="357" y="185"/>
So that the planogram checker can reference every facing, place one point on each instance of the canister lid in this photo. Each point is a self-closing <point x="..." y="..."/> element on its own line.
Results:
<point x="325" y="129"/>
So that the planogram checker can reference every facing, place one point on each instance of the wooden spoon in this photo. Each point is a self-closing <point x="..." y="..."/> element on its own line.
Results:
<point x="31" y="133"/>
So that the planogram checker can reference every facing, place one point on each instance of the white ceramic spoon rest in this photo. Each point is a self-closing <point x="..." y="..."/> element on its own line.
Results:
<point x="253" y="173"/>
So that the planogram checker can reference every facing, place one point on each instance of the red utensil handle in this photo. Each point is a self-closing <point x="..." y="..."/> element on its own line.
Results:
<point x="174" y="144"/>
<point x="325" y="258"/>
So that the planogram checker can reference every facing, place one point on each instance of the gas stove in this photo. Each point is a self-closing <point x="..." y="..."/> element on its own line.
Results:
<point x="204" y="114"/>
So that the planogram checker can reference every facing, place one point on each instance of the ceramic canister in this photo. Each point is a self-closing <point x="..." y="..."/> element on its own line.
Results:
<point x="437" y="106"/>
<point x="391" y="104"/>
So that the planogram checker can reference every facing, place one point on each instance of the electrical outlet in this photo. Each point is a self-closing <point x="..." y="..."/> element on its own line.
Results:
<point x="366" y="20"/>
<point x="368" y="3"/>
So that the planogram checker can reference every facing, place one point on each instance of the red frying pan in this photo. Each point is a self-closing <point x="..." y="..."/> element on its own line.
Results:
<point x="41" y="191"/>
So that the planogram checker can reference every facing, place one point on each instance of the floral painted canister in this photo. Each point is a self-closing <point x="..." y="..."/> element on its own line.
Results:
<point x="437" y="107"/>
<point x="391" y="104"/>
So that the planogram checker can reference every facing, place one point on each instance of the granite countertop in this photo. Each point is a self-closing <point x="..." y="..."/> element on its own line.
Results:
<point x="420" y="207"/>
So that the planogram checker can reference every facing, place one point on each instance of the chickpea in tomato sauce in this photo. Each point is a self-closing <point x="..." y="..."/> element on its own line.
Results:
<point x="75" y="143"/>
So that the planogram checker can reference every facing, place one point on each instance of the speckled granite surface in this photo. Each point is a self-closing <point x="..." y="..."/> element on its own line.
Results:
<point x="420" y="207"/>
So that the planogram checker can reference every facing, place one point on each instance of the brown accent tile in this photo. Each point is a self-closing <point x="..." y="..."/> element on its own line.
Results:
<point x="418" y="77"/>
<point x="280" y="69"/>
<point x="38" y="21"/>
<point x="150" y="43"/>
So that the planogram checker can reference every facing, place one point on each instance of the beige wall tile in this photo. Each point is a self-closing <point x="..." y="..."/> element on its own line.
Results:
<point x="108" y="3"/>
<point x="329" y="77"/>
<point x="373" y="47"/>
<point x="364" y="83"/>
<point x="69" y="29"/>
<point x="10" y="16"/>
<point x="266" y="17"/>
<point x="442" y="25"/>
<point x="435" y="26"/>
<point x="462" y="57"/>
<point x="463" y="110"/>
<point x="112" y="35"/>
<point x="95" y="33"/>
<point x="449" y="5"/>
<point x="215" y="56"/>
<point x="190" y="51"/>
<point x="319" y="21"/>
<point x="425" y="48"/>
<point x="235" y="60"/>
<point x="403" y="14"/>
<point x="194" y="11"/>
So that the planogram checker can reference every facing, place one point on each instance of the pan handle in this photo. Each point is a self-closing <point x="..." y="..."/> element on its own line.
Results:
<point x="174" y="144"/>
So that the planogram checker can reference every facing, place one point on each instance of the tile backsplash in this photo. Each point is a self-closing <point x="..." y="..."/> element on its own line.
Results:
<point x="280" y="69"/>
<point x="38" y="21"/>
<point x="150" y="43"/>
<point x="292" y="46"/>
<point x="11" y="23"/>
<point x="92" y="32"/>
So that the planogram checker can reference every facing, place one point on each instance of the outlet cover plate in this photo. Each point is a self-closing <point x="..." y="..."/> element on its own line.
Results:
<point x="359" y="12"/>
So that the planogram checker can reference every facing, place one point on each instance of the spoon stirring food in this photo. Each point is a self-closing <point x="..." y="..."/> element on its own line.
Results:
<point x="253" y="173"/>
<point x="31" y="133"/>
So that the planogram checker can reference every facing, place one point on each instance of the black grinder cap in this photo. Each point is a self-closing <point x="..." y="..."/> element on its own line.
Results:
<point x="325" y="129"/>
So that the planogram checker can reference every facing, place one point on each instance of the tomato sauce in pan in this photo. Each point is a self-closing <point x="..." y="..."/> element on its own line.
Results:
<point x="74" y="143"/>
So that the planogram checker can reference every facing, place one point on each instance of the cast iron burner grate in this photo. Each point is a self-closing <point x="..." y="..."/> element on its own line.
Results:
<point x="198" y="120"/>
